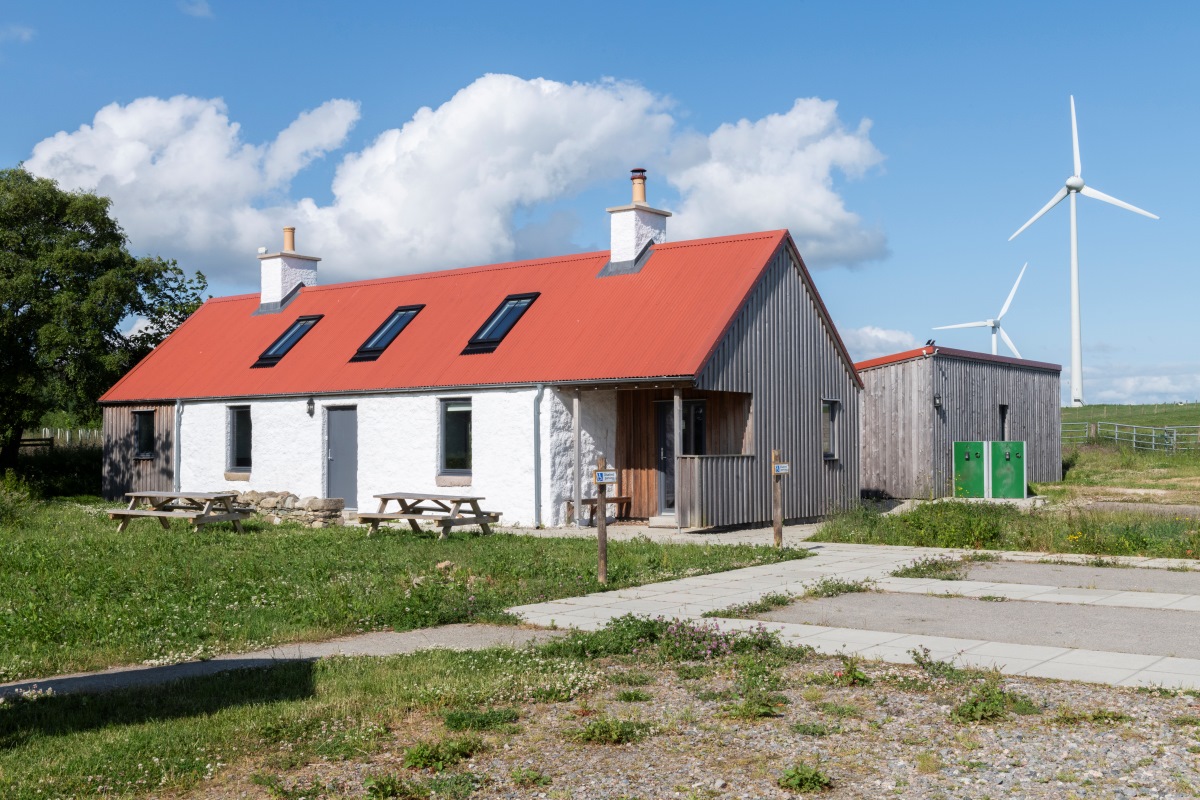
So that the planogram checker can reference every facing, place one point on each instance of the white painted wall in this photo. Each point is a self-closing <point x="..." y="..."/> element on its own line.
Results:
<point x="598" y="411"/>
<point x="281" y="273"/>
<point x="631" y="228"/>
<point x="398" y="447"/>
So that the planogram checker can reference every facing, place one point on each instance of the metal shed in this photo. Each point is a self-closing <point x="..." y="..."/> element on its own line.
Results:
<point x="916" y="404"/>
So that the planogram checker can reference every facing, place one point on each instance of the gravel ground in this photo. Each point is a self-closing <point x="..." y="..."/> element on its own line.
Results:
<point x="892" y="738"/>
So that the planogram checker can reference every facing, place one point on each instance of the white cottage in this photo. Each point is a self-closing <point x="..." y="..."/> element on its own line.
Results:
<point x="683" y="364"/>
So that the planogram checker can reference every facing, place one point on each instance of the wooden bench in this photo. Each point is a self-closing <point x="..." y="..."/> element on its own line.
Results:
<point x="622" y="502"/>
<point x="446" y="511"/>
<point x="197" y="508"/>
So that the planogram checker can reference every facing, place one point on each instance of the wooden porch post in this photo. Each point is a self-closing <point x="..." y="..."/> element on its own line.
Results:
<point x="678" y="439"/>
<point x="576" y="430"/>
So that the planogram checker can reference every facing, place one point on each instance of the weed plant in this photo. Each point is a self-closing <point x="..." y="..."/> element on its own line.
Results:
<point x="942" y="569"/>
<point x="938" y="668"/>
<point x="801" y="777"/>
<point x="1100" y="716"/>
<point x="487" y="720"/>
<point x="815" y="729"/>
<point x="990" y="702"/>
<point x="529" y="778"/>
<point x="832" y="587"/>
<point x="633" y="677"/>
<point x="766" y="603"/>
<point x="633" y="696"/>
<point x="440" y="755"/>
<point x="607" y="730"/>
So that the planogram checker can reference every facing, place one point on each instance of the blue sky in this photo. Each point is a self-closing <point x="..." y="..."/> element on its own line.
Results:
<point x="924" y="135"/>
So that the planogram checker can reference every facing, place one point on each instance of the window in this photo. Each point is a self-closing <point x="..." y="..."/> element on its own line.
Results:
<point x="386" y="333"/>
<point x="502" y="320"/>
<point x="829" y="415"/>
<point x="273" y="354"/>
<point x="456" y="437"/>
<point x="143" y="434"/>
<point x="240" y="438"/>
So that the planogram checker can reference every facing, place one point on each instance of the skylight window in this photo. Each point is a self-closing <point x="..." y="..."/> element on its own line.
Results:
<point x="273" y="354"/>
<point x="386" y="333"/>
<point x="498" y="325"/>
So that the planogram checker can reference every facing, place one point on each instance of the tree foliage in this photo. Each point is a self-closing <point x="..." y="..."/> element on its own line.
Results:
<point x="67" y="282"/>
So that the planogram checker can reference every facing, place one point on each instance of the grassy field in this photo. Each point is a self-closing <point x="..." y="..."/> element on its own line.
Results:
<point x="77" y="595"/>
<point x="1152" y="414"/>
<point x="1004" y="527"/>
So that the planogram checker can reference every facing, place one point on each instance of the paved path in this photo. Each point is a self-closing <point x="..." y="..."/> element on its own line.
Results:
<point x="691" y="597"/>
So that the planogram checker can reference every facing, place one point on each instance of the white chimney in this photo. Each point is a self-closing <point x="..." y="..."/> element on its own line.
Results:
<point x="283" y="273"/>
<point x="635" y="226"/>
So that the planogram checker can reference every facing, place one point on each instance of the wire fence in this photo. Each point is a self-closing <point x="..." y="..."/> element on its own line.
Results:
<point x="63" y="437"/>
<point x="1174" y="439"/>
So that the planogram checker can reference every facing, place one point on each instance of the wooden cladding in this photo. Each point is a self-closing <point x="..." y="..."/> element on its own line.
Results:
<point x="125" y="470"/>
<point x="728" y="429"/>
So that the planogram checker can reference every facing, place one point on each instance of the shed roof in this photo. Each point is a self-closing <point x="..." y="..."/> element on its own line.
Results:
<point x="661" y="322"/>
<point x="949" y="352"/>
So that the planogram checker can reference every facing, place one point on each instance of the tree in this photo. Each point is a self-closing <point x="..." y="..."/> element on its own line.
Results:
<point x="67" y="281"/>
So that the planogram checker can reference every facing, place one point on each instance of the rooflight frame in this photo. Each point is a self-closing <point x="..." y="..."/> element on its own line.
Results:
<point x="267" y="359"/>
<point x="365" y="353"/>
<point x="480" y="344"/>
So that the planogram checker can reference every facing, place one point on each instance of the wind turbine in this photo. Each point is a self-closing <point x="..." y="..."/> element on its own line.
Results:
<point x="994" y="324"/>
<point x="1075" y="186"/>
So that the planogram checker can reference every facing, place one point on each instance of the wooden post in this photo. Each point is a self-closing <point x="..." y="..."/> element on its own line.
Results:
<point x="776" y="500"/>
<point x="601" y="526"/>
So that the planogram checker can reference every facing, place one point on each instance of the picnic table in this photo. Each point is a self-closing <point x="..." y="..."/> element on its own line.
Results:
<point x="198" y="508"/>
<point x="447" y="510"/>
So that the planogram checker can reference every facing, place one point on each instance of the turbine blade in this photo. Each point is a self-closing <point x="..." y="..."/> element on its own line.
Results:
<point x="1008" y="342"/>
<point x="983" y="324"/>
<point x="1058" y="197"/>
<point x="1096" y="194"/>
<point x="1075" y="138"/>
<point x="1008" y="302"/>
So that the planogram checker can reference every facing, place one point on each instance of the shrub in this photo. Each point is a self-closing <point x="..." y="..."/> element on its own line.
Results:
<point x="528" y="778"/>
<point x="625" y="635"/>
<point x="942" y="569"/>
<point x="989" y="702"/>
<point x="632" y="696"/>
<point x="757" y="705"/>
<point x="800" y="777"/>
<point x="63" y="471"/>
<point x="814" y="729"/>
<point x="832" y="587"/>
<point x="16" y="499"/>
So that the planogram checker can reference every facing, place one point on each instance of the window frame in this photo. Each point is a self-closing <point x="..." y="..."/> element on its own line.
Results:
<point x="231" y="457"/>
<point x="139" y="418"/>
<point x="269" y="360"/>
<point x="835" y="407"/>
<point x="365" y="353"/>
<point x="480" y="344"/>
<point x="443" y="408"/>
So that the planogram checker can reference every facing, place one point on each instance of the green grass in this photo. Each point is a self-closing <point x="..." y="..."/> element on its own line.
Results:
<point x="834" y="587"/>
<point x="1106" y="464"/>
<point x="942" y="569"/>
<point x="768" y="602"/>
<point x="79" y="596"/>
<point x="1003" y="527"/>
<point x="607" y="730"/>
<point x="1159" y="415"/>
<point x="487" y="720"/>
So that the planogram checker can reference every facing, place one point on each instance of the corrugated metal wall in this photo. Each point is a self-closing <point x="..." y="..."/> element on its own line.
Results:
<point x="907" y="443"/>
<point x="779" y="349"/>
<point x="972" y="392"/>
<point x="124" y="473"/>
<point x="897" y="435"/>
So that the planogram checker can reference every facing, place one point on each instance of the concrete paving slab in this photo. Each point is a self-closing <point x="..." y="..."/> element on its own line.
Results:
<point x="1167" y="680"/>
<point x="1187" y="666"/>
<point x="1142" y="599"/>
<point x="1029" y="652"/>
<point x="1080" y="596"/>
<point x="1070" y="576"/>
<point x="1094" y="658"/>
<point x="1009" y="665"/>
<point x="1079" y="672"/>
<point x="1158" y="632"/>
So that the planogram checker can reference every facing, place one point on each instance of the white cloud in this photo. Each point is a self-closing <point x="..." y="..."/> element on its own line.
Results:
<point x="16" y="33"/>
<point x="177" y="170"/>
<point x="445" y="189"/>
<point x="777" y="172"/>
<point x="1140" y="383"/>
<point x="196" y="8"/>
<point x="871" y="342"/>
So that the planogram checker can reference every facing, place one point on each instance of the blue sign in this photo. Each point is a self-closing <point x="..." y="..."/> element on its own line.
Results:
<point x="606" y="476"/>
<point x="781" y="469"/>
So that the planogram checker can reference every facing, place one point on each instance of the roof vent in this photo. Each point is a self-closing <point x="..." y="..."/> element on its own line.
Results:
<point x="283" y="274"/>
<point x="635" y="228"/>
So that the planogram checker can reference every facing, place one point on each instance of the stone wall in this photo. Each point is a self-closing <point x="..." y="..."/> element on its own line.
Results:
<point x="311" y="512"/>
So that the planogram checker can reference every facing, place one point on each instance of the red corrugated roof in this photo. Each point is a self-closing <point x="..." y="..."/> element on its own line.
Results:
<point x="929" y="350"/>
<point x="663" y="321"/>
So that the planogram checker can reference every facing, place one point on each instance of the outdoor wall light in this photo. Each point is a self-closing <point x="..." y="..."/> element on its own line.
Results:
<point x="937" y="402"/>
<point x="312" y="407"/>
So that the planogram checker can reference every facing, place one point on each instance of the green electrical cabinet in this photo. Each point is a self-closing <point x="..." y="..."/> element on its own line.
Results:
<point x="970" y="469"/>
<point x="990" y="469"/>
<point x="1008" y="469"/>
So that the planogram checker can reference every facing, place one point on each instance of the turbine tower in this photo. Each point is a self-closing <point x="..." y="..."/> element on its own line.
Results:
<point x="994" y="324"/>
<point x="1075" y="186"/>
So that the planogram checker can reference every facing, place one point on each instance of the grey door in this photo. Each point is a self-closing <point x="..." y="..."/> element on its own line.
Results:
<point x="342" y="453"/>
<point x="694" y="444"/>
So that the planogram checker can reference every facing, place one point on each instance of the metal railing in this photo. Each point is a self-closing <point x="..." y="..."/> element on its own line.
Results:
<point x="1173" y="439"/>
